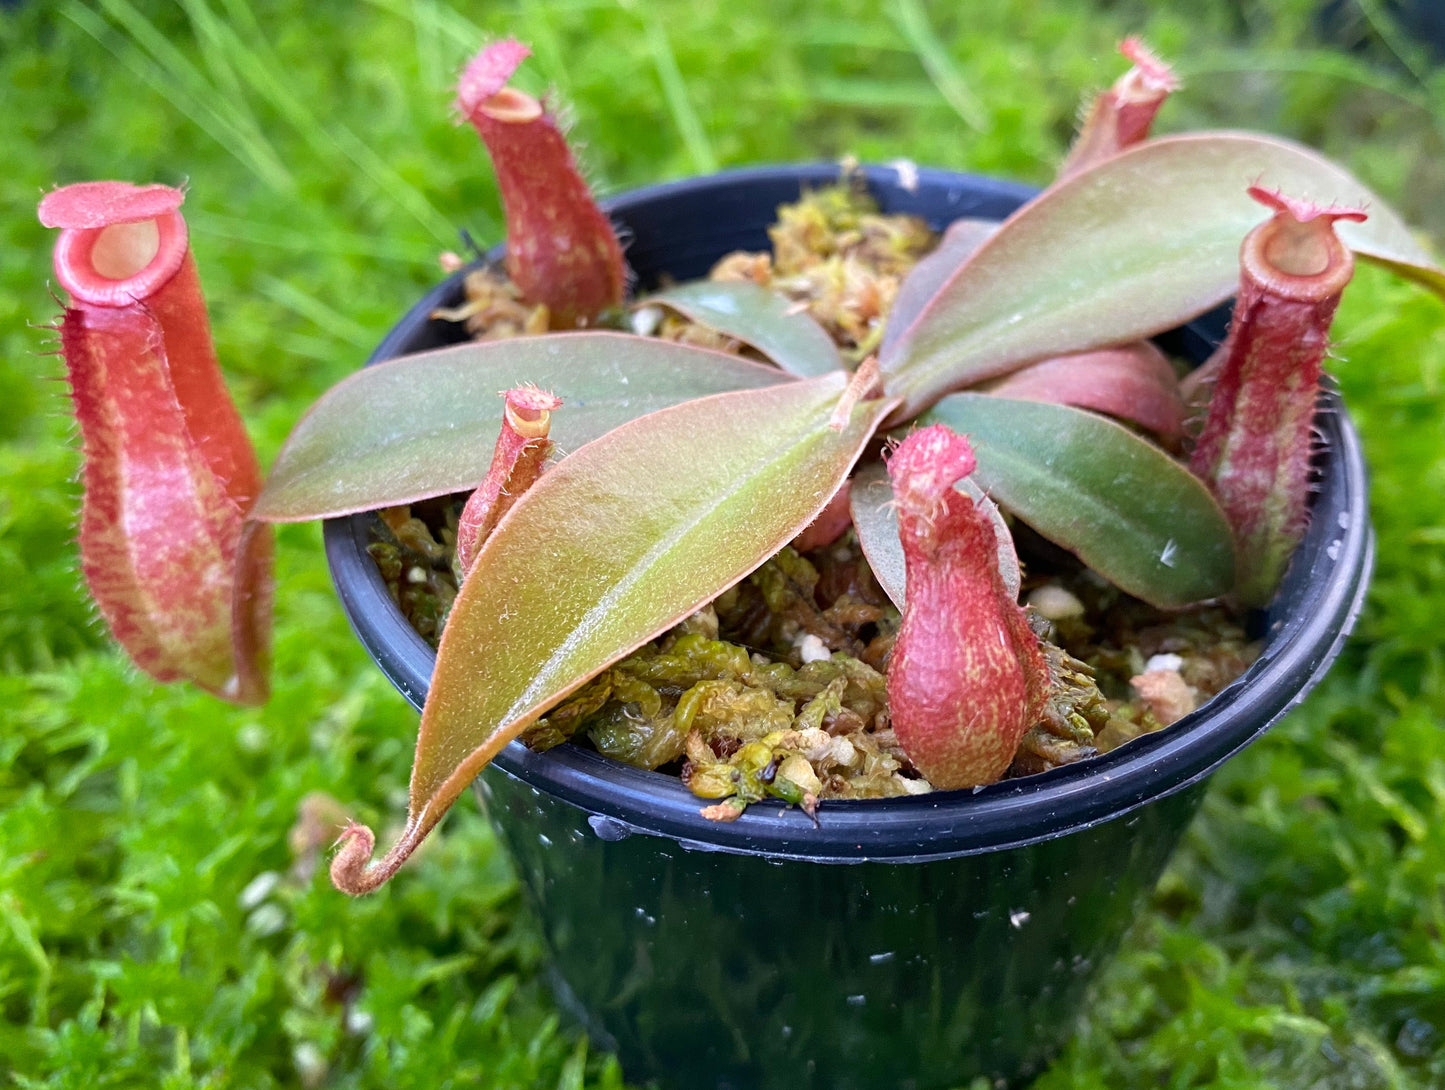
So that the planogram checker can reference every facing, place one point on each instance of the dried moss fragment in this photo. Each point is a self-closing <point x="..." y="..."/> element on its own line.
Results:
<point x="415" y="564"/>
<point x="1073" y="714"/>
<point x="836" y="254"/>
<point x="492" y="309"/>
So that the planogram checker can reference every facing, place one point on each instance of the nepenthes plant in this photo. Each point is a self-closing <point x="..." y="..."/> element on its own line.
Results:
<point x="626" y="482"/>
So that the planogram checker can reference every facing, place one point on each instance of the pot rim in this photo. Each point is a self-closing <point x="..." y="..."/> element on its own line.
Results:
<point x="1325" y="588"/>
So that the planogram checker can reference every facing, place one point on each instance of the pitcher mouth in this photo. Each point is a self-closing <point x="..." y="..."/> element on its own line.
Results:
<point x="119" y="243"/>
<point x="121" y="263"/>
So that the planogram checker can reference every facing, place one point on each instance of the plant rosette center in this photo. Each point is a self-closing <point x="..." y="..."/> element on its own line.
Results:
<point x="778" y="687"/>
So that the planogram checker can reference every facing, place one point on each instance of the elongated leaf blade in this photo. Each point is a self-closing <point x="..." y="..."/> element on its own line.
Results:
<point x="758" y="317"/>
<point x="876" y="520"/>
<point x="1123" y="506"/>
<point x="1134" y="246"/>
<point x="614" y="545"/>
<point x="924" y="280"/>
<point x="425" y="425"/>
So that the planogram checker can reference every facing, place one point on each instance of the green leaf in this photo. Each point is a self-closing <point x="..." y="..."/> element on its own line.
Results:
<point x="875" y="518"/>
<point x="1134" y="246"/>
<point x="959" y="242"/>
<point x="758" y="317"/>
<point x="1127" y="509"/>
<point x="611" y="547"/>
<point x="425" y="425"/>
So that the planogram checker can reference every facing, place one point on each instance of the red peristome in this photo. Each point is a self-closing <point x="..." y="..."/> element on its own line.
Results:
<point x="967" y="677"/>
<point x="1255" y="446"/>
<point x="1122" y="116"/>
<point x="517" y="461"/>
<point x="169" y="472"/>
<point x="561" y="250"/>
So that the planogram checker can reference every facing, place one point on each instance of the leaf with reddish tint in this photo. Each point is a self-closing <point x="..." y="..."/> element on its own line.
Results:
<point x="182" y="580"/>
<point x="875" y="518"/>
<point x="959" y="241"/>
<point x="1134" y="382"/>
<point x="749" y="312"/>
<point x="1136" y="245"/>
<point x="612" y="546"/>
<point x="425" y="425"/>
<point x="831" y="524"/>
<point x="1127" y="509"/>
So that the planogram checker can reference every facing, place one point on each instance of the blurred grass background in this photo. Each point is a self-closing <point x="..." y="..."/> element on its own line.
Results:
<point x="163" y="921"/>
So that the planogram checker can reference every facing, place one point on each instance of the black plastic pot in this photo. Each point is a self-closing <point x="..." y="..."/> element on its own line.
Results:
<point x="916" y="942"/>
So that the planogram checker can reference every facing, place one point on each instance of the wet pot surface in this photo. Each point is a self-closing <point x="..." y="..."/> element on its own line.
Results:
<point x="915" y="942"/>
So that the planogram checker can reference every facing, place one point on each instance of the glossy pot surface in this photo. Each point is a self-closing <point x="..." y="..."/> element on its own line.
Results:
<point x="915" y="942"/>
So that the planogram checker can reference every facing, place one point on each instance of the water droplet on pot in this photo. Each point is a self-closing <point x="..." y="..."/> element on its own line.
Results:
<point x="607" y="829"/>
<point x="544" y="840"/>
<point x="1332" y="550"/>
<point x="881" y="959"/>
<point x="857" y="1000"/>
<point x="1018" y="917"/>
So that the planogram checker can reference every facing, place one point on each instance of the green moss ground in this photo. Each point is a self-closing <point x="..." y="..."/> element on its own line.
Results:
<point x="1295" y="942"/>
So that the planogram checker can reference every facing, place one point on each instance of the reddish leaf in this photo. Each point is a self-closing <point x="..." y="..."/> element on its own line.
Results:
<point x="611" y="547"/>
<point x="1122" y="505"/>
<point x="426" y="425"/>
<point x="1134" y="383"/>
<point x="1137" y="245"/>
